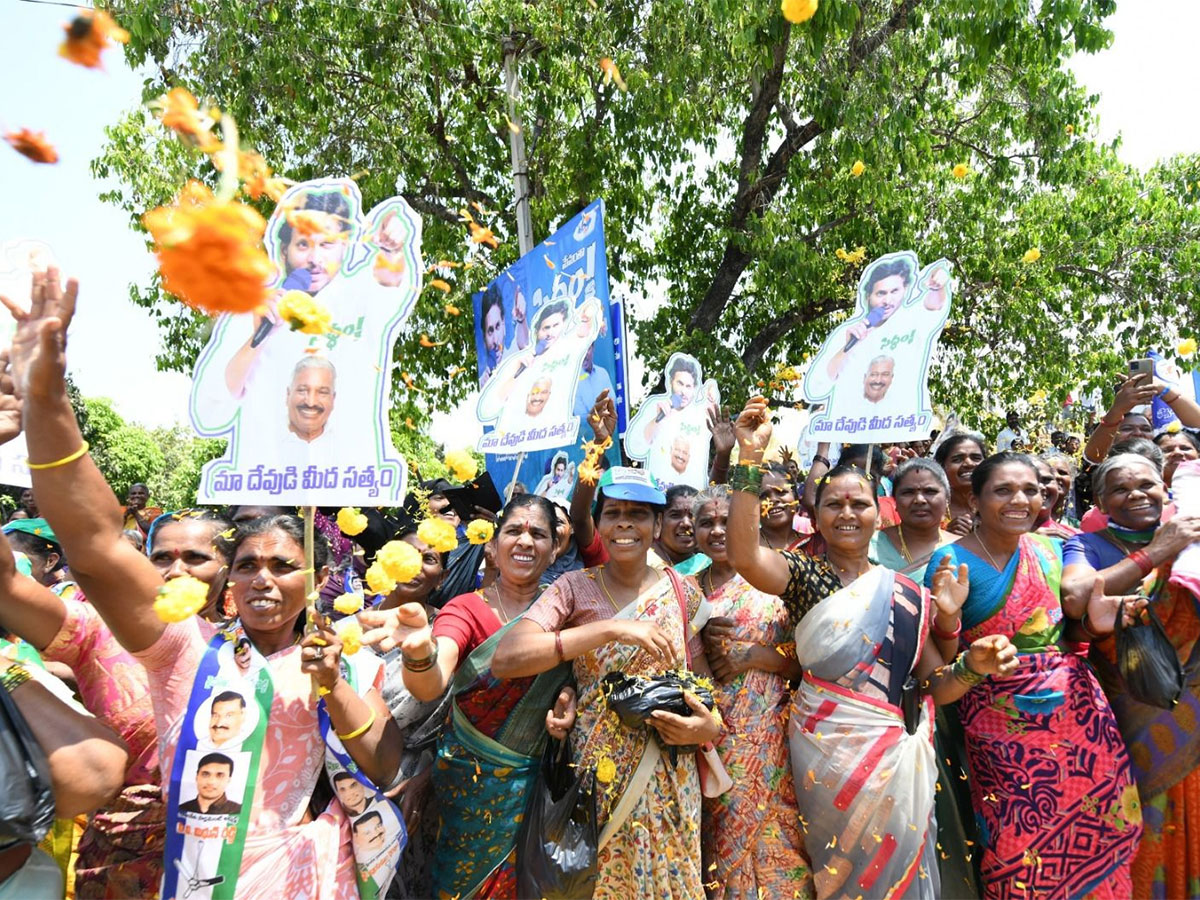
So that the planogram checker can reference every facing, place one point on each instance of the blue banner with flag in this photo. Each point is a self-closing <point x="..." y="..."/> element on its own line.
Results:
<point x="548" y="340"/>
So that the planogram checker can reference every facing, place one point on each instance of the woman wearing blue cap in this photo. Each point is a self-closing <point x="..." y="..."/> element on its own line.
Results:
<point x="626" y="617"/>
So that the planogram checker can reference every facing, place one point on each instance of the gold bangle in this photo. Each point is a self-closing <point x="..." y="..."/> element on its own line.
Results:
<point x="60" y="462"/>
<point x="14" y="676"/>
<point x="362" y="729"/>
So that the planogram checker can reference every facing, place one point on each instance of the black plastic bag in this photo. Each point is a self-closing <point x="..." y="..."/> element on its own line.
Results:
<point x="1147" y="659"/>
<point x="558" y="844"/>
<point x="27" y="799"/>
<point x="634" y="698"/>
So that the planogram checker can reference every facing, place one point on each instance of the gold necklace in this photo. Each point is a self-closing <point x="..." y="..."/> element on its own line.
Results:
<point x="500" y="608"/>
<point x="903" y="546"/>
<point x="604" y="587"/>
<point x="991" y="559"/>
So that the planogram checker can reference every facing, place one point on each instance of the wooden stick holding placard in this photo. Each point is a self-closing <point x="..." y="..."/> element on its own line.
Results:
<point x="312" y="618"/>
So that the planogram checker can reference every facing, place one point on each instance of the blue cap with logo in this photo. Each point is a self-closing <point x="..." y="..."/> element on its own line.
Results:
<point x="625" y="483"/>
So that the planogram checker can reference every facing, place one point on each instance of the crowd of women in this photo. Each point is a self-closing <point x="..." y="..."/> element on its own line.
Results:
<point x="924" y="697"/>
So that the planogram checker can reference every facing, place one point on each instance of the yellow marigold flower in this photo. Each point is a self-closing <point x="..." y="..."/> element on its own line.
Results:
<point x="348" y="604"/>
<point x="1032" y="255"/>
<point x="180" y="111"/>
<point x="209" y="253"/>
<point x="613" y="74"/>
<point x="480" y="531"/>
<point x="1070" y="129"/>
<point x="1038" y="397"/>
<point x="180" y="598"/>
<point x="438" y="534"/>
<point x="857" y="255"/>
<point x="351" y="521"/>
<point x="401" y="561"/>
<point x="481" y="235"/>
<point x="305" y="313"/>
<point x="841" y="253"/>
<point x="858" y="168"/>
<point x="429" y="344"/>
<point x="452" y="310"/>
<point x="88" y="35"/>
<point x="797" y="11"/>
<point x="462" y="464"/>
<point x="606" y="770"/>
<point x="378" y="579"/>
<point x="439" y="284"/>
<point x="962" y="170"/>
<point x="1187" y="348"/>
<point x="351" y="634"/>
<point x="1174" y="427"/>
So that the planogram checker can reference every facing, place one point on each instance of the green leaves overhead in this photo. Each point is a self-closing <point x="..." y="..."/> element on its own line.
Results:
<point x="724" y="167"/>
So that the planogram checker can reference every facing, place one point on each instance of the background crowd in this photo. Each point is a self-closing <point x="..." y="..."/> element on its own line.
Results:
<point x="904" y="670"/>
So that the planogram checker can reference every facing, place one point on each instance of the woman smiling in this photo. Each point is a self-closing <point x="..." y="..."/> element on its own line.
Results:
<point x="959" y="455"/>
<point x="624" y="617"/>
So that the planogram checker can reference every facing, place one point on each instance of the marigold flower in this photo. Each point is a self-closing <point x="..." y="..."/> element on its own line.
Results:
<point x="1187" y="348"/>
<point x="438" y="534"/>
<point x="1174" y="427"/>
<point x="1038" y="397"/>
<point x="348" y="604"/>
<point x="428" y="344"/>
<point x="314" y="223"/>
<point x="1070" y="129"/>
<point x="439" y="284"/>
<point x="180" y="111"/>
<point x="305" y="313"/>
<point x="378" y="580"/>
<point x="351" y="521"/>
<point x="606" y="770"/>
<point x="858" y="168"/>
<point x="32" y="145"/>
<point x="612" y="73"/>
<point x="798" y="11"/>
<point x="480" y="531"/>
<point x="384" y="263"/>
<point x="481" y="235"/>
<point x="462" y="464"/>
<point x="351" y="634"/>
<point x="1032" y="255"/>
<point x="88" y="35"/>
<point x="451" y="310"/>
<point x="180" y="598"/>
<point x="210" y="253"/>
<point x="962" y="170"/>
<point x="401" y="561"/>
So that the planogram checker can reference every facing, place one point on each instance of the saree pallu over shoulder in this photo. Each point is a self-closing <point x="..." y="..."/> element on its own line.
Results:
<point x="1056" y="804"/>
<point x="864" y="784"/>
<point x="482" y="783"/>
<point x="1022" y="602"/>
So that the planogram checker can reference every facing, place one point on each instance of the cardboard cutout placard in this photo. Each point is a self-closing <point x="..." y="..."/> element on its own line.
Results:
<point x="872" y="372"/>
<point x="306" y="416"/>
<point x="669" y="432"/>
<point x="18" y="261"/>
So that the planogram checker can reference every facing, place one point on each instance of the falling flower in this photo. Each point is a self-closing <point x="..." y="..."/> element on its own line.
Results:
<point x="1174" y="427"/>
<point x="351" y="521"/>
<point x="348" y="604"/>
<point x="210" y="253"/>
<point x="858" y="168"/>
<point x="378" y="580"/>
<point x="316" y="223"/>
<point x="180" y="598"/>
<point x="1032" y="255"/>
<point x="589" y="470"/>
<point x="305" y="313"/>
<point x="451" y="310"/>
<point x="88" y="35"/>
<point x="257" y="178"/>
<point x="180" y="111"/>
<point x="480" y="531"/>
<point x="32" y="145"/>
<point x="401" y="561"/>
<point x="427" y="343"/>
<point x="606" y="770"/>
<point x="481" y="235"/>
<point x="798" y="11"/>
<point x="1038" y="397"/>
<point x="1070" y="129"/>
<point x="962" y="170"/>
<point x="462" y="464"/>
<point x="438" y="534"/>
<point x="351" y="634"/>
<point x="612" y="73"/>
<point x="1187" y="348"/>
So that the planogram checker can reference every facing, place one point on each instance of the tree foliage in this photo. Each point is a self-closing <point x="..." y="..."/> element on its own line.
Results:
<point x="725" y="166"/>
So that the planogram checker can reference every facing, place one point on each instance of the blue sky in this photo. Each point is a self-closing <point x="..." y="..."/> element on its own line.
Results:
<point x="113" y="343"/>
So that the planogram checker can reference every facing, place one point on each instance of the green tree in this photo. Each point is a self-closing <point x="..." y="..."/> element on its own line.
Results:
<point x="726" y="167"/>
<point x="125" y="453"/>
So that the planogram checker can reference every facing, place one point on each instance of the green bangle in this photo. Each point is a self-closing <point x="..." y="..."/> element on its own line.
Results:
<point x="746" y="478"/>
<point x="965" y="673"/>
<point x="14" y="676"/>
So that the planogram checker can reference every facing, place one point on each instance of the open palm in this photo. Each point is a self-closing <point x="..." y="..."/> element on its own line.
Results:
<point x="38" y="354"/>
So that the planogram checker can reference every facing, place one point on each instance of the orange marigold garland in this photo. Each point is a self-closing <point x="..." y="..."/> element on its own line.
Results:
<point x="210" y="252"/>
<point x="32" y="145"/>
<point x="88" y="35"/>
